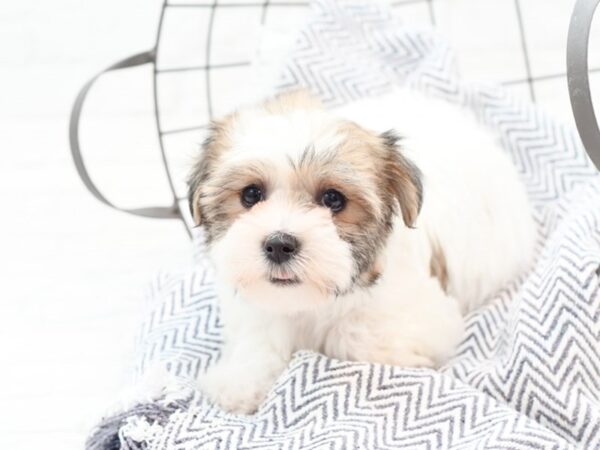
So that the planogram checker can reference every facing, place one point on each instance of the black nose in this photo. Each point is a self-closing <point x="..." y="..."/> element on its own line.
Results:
<point x="280" y="247"/>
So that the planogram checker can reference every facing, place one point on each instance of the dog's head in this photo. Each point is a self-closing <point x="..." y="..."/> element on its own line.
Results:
<point x="296" y="204"/>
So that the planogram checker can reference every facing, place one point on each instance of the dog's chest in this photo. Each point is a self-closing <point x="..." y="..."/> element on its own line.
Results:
<point x="324" y="330"/>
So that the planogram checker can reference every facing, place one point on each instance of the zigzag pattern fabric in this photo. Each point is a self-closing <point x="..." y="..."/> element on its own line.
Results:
<point x="527" y="374"/>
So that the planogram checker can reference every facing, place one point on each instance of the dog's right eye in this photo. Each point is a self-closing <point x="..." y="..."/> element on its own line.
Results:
<point x="334" y="200"/>
<point x="251" y="195"/>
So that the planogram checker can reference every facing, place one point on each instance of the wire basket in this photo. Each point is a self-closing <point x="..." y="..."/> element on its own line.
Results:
<point x="185" y="65"/>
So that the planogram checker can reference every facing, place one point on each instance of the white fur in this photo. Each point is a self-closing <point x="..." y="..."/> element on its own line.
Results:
<point x="474" y="208"/>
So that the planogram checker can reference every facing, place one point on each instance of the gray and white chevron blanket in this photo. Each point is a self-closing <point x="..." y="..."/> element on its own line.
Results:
<point x="527" y="374"/>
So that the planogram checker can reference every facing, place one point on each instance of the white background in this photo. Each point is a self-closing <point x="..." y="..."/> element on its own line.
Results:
<point x="72" y="271"/>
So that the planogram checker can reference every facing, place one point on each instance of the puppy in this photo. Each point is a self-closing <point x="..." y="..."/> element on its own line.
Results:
<point x="364" y="233"/>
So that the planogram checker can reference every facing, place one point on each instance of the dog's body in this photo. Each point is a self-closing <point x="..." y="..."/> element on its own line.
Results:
<point x="328" y="233"/>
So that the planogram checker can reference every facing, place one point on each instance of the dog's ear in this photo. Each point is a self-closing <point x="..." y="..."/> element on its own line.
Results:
<point x="402" y="179"/>
<point x="195" y="180"/>
<point x="215" y="143"/>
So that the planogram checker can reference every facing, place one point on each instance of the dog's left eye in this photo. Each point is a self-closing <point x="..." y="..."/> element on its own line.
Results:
<point x="251" y="195"/>
<point x="334" y="200"/>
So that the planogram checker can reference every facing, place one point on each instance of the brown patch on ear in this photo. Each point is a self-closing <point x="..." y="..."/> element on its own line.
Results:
<point x="402" y="179"/>
<point x="194" y="203"/>
<point x="216" y="143"/>
<point x="437" y="266"/>
<point x="292" y="100"/>
<point x="353" y="164"/>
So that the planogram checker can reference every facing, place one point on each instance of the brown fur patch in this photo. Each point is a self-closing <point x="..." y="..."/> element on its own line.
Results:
<point x="386" y="182"/>
<point x="437" y="266"/>
<point x="219" y="197"/>
<point x="364" y="223"/>
<point x="359" y="167"/>
<point x="215" y="145"/>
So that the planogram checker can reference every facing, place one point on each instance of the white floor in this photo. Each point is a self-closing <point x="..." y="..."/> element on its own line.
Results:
<point x="72" y="271"/>
<point x="72" y="277"/>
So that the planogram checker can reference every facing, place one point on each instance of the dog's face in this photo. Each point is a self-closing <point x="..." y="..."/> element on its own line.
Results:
<point x="296" y="204"/>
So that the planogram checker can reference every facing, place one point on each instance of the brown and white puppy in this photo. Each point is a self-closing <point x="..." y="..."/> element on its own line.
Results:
<point x="329" y="232"/>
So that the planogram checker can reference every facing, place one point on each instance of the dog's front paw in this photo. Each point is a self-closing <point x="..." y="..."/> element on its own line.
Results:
<point x="411" y="356"/>
<point x="236" y="389"/>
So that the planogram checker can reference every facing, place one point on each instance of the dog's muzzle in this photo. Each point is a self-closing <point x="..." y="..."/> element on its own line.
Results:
<point x="280" y="247"/>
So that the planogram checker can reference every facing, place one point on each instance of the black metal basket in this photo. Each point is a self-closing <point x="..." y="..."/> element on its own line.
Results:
<point x="205" y="68"/>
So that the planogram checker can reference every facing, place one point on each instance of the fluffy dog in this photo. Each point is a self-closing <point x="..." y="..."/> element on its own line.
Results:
<point x="365" y="233"/>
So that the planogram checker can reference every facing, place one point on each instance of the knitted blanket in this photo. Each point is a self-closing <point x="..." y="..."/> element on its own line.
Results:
<point x="527" y="374"/>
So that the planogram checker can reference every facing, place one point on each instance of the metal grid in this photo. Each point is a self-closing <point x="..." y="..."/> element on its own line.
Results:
<point x="209" y="67"/>
<point x="199" y="71"/>
<point x="210" y="70"/>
